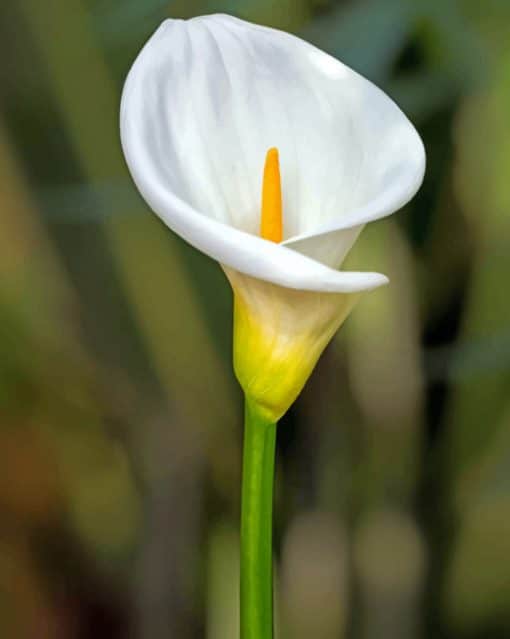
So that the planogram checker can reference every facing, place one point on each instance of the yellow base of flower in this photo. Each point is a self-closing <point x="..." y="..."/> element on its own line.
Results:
<point x="279" y="334"/>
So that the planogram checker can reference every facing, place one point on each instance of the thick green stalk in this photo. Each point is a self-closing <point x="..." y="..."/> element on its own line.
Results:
<point x="257" y="525"/>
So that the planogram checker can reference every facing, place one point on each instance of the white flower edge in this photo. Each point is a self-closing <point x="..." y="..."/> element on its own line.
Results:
<point x="142" y="136"/>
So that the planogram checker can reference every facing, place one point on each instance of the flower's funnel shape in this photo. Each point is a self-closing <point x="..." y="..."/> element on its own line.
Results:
<point x="204" y="101"/>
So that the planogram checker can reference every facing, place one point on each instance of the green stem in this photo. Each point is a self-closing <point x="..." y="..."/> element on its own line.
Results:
<point x="257" y="525"/>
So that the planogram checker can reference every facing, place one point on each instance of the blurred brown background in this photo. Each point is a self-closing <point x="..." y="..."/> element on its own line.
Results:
<point x="120" y="419"/>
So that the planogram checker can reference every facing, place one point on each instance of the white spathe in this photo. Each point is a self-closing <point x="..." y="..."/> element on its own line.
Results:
<point x="204" y="101"/>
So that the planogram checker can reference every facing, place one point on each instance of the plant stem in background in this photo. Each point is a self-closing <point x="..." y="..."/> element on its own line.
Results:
<point x="257" y="525"/>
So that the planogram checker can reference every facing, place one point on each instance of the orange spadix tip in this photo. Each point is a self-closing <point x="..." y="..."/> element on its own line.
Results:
<point x="271" y="223"/>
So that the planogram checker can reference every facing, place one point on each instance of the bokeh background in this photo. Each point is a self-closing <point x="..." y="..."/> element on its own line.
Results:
<point x="120" y="434"/>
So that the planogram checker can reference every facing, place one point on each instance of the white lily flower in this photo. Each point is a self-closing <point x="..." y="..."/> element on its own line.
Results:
<point x="203" y="103"/>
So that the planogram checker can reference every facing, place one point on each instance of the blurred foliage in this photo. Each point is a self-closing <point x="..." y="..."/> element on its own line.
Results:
<point x="119" y="415"/>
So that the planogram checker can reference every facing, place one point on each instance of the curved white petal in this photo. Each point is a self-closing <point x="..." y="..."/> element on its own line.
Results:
<point x="204" y="101"/>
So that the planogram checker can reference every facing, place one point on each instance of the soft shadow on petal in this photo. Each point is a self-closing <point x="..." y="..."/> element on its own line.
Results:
<point x="327" y="248"/>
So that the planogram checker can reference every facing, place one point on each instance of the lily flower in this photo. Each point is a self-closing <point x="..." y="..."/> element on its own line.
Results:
<point x="270" y="156"/>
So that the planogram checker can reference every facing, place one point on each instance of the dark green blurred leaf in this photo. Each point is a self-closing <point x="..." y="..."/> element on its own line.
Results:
<point x="452" y="45"/>
<point x="367" y="36"/>
<point x="90" y="201"/>
<point x="422" y="94"/>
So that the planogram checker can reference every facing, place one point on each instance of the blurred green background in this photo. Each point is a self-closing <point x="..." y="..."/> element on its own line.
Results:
<point x="120" y="419"/>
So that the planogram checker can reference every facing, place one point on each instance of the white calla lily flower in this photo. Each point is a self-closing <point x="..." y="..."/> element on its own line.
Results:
<point x="204" y="101"/>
